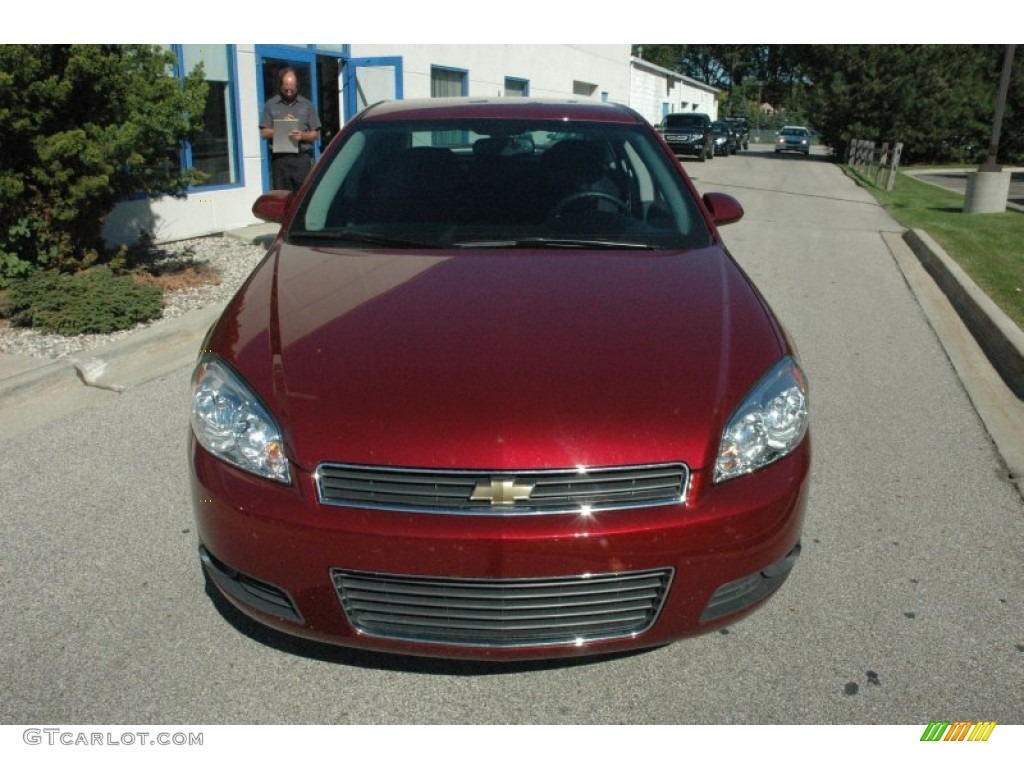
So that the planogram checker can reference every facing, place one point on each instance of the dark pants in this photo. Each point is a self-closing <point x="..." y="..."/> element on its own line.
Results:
<point x="288" y="171"/>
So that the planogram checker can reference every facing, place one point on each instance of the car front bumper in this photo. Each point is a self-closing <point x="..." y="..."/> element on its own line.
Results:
<point x="695" y="147"/>
<point x="332" y="574"/>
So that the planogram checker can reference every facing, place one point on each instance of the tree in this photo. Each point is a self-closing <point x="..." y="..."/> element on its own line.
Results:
<point x="930" y="97"/>
<point x="748" y="74"/>
<point x="85" y="127"/>
<point x="936" y="99"/>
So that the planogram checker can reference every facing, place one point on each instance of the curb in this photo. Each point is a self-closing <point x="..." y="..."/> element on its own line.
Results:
<point x="149" y="354"/>
<point x="999" y="409"/>
<point x="62" y="387"/>
<point x="999" y="337"/>
<point x="146" y="355"/>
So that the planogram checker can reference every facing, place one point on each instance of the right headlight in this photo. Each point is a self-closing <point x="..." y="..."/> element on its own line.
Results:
<point x="769" y="423"/>
<point x="231" y="422"/>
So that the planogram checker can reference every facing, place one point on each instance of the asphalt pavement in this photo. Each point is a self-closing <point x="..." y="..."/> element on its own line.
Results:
<point x="955" y="180"/>
<point x="905" y="606"/>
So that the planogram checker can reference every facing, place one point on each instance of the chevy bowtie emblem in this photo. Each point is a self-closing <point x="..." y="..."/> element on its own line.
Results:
<point x="501" y="491"/>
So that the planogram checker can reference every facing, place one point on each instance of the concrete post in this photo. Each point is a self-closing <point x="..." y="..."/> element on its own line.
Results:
<point x="987" y="191"/>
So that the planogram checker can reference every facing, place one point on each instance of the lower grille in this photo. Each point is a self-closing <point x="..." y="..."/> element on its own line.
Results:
<point x="502" y="492"/>
<point x="502" y="612"/>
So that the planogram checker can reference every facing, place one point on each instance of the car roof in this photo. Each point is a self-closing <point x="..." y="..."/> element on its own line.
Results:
<point x="509" y="108"/>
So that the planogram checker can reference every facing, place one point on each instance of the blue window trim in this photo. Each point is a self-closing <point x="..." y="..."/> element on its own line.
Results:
<point x="351" y="65"/>
<point x="186" y="151"/>
<point x="459" y="70"/>
<point x="305" y="55"/>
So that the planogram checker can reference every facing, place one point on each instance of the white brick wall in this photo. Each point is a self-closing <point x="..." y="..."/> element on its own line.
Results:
<point x="652" y="87"/>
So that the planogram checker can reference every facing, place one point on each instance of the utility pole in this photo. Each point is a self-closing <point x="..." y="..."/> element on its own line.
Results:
<point x="990" y="163"/>
<point x="989" y="187"/>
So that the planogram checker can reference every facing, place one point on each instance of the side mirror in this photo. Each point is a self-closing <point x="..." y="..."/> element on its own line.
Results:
<point x="273" y="206"/>
<point x="725" y="209"/>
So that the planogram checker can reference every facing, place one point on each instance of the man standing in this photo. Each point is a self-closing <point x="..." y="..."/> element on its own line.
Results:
<point x="289" y="169"/>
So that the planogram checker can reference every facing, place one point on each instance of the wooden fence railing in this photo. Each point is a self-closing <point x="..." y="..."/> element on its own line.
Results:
<point x="874" y="162"/>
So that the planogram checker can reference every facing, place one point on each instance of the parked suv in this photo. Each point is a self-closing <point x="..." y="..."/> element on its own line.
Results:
<point x="689" y="133"/>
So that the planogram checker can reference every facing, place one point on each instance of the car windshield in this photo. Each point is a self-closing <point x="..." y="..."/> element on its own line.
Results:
<point x="793" y="132"/>
<point x="500" y="184"/>
<point x="684" y="121"/>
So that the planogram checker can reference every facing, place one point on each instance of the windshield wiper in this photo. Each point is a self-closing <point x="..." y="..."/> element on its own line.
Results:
<point x="363" y="238"/>
<point x="556" y="242"/>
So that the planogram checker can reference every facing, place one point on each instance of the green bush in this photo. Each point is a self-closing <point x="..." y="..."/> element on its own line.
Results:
<point x="85" y="127"/>
<point x="94" y="301"/>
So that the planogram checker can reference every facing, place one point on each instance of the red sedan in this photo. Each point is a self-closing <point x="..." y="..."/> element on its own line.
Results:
<point x="498" y="391"/>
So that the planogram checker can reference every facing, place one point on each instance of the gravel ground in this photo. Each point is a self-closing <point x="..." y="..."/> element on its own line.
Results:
<point x="232" y="260"/>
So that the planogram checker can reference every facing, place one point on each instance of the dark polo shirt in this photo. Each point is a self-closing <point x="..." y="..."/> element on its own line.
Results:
<point x="301" y="109"/>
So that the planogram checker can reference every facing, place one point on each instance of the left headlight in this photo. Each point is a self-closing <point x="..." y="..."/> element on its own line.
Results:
<point x="770" y="422"/>
<point x="230" y="422"/>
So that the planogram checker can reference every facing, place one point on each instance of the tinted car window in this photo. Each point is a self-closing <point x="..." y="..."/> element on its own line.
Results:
<point x="686" y="121"/>
<point x="500" y="184"/>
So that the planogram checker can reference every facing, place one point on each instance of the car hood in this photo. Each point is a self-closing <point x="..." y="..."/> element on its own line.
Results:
<point x="499" y="359"/>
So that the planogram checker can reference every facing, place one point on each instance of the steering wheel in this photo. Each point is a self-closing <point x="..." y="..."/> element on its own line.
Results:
<point x="565" y="202"/>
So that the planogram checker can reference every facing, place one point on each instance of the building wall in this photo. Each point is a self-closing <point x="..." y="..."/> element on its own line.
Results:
<point x="653" y="89"/>
<point x="552" y="71"/>
<point x="203" y="212"/>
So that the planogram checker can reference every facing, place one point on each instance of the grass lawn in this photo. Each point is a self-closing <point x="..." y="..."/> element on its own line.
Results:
<point x="989" y="246"/>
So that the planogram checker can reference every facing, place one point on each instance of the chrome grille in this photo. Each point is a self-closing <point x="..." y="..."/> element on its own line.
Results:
<point x="502" y="612"/>
<point x="551" y="491"/>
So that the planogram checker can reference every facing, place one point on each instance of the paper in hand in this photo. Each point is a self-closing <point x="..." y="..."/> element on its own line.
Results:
<point x="282" y="141"/>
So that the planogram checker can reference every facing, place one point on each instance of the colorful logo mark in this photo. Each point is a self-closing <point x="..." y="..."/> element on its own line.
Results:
<point x="959" y="730"/>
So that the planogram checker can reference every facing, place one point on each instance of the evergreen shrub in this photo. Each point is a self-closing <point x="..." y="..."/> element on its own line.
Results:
<point x="93" y="301"/>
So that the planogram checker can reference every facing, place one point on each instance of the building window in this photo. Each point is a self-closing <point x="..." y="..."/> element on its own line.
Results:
<point x="580" y="88"/>
<point x="445" y="82"/>
<point x="215" y="152"/>
<point x="515" y="86"/>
